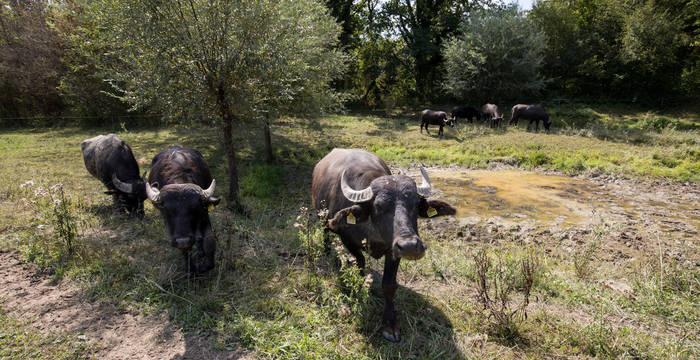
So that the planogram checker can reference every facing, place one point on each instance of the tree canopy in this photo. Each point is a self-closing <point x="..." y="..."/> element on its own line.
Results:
<point x="496" y="56"/>
<point x="241" y="60"/>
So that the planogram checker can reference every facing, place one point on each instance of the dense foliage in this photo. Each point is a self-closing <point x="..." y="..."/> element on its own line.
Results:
<point x="497" y="55"/>
<point x="398" y="52"/>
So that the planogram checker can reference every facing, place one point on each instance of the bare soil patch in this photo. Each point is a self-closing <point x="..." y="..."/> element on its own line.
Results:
<point x="112" y="333"/>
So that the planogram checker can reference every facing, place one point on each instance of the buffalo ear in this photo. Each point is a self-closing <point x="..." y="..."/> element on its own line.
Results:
<point x="432" y="208"/>
<point x="343" y="219"/>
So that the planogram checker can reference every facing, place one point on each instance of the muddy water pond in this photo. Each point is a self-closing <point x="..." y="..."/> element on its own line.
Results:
<point x="515" y="196"/>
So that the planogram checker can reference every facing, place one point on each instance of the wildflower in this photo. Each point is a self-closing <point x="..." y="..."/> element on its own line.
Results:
<point x="57" y="186"/>
<point x="323" y="213"/>
<point x="297" y="225"/>
<point x="26" y="183"/>
<point x="353" y="260"/>
<point x="368" y="280"/>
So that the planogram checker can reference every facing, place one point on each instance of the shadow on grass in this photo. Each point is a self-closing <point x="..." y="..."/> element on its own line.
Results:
<point x="426" y="332"/>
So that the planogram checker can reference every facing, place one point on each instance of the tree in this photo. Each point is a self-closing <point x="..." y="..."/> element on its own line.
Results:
<point x="30" y="60"/>
<point x="496" y="56"/>
<point x="423" y="25"/>
<point x="251" y="59"/>
<point x="649" y="44"/>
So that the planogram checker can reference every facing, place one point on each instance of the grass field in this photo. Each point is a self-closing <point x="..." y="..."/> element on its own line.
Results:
<point x="274" y="294"/>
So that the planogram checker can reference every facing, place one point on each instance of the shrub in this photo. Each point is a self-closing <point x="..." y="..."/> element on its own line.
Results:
<point x="497" y="284"/>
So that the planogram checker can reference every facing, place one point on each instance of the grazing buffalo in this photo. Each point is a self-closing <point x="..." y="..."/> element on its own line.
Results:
<point x="366" y="202"/>
<point x="466" y="112"/>
<point x="491" y="115"/>
<point x="432" y="117"/>
<point x="534" y="113"/>
<point x="181" y="187"/>
<point x="109" y="159"/>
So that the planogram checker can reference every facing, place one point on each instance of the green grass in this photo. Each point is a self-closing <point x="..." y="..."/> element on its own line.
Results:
<point x="17" y="341"/>
<point x="265" y="296"/>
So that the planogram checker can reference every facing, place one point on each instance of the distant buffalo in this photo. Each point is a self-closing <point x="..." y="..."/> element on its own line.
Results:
<point x="433" y="117"/>
<point x="181" y="187"/>
<point x="534" y="113"/>
<point x="370" y="208"/>
<point x="466" y="112"/>
<point x="109" y="159"/>
<point x="491" y="115"/>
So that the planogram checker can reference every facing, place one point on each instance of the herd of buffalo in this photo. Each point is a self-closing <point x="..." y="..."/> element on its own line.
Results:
<point x="489" y="114"/>
<point x="368" y="207"/>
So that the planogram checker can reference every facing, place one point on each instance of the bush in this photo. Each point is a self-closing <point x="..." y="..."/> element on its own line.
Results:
<point x="497" y="284"/>
<point x="497" y="56"/>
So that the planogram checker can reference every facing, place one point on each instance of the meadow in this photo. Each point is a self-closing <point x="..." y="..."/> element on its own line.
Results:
<point x="275" y="294"/>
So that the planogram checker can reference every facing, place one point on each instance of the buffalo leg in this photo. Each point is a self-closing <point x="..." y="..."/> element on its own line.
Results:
<point x="440" y="131"/>
<point x="207" y="250"/>
<point x="537" y="125"/>
<point x="426" y="128"/>
<point x="357" y="253"/>
<point x="391" y="326"/>
<point x="188" y="264"/>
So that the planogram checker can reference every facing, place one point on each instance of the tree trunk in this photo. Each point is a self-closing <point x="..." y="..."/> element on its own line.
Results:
<point x="268" y="144"/>
<point x="227" y="119"/>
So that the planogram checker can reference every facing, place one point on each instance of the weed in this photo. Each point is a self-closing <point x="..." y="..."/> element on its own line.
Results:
<point x="496" y="285"/>
<point x="583" y="256"/>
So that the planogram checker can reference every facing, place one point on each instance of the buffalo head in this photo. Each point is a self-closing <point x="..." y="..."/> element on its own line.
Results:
<point x="392" y="205"/>
<point x="129" y="194"/>
<point x="184" y="208"/>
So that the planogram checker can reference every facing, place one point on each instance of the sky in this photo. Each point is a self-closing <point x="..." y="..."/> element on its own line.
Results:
<point x="525" y="4"/>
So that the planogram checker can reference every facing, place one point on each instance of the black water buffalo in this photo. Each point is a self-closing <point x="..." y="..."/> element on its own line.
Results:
<point x="491" y="115"/>
<point x="109" y="159"/>
<point x="534" y="113"/>
<point x="433" y="117"/>
<point x="384" y="211"/>
<point x="466" y="112"/>
<point x="181" y="187"/>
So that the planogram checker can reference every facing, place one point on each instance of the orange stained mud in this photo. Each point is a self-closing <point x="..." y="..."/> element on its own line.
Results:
<point x="515" y="196"/>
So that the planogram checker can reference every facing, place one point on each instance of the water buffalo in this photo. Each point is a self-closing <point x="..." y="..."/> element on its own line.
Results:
<point x="383" y="210"/>
<point x="109" y="159"/>
<point x="433" y="117"/>
<point x="491" y="115"/>
<point x="181" y="187"/>
<point x="466" y="112"/>
<point x="534" y="113"/>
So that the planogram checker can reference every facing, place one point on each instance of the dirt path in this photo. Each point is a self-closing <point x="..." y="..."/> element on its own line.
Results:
<point x="112" y="333"/>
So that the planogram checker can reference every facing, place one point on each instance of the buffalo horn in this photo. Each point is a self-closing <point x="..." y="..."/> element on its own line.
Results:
<point x="425" y="187"/>
<point x="210" y="191"/>
<point x="152" y="193"/>
<point x="121" y="186"/>
<point x="355" y="195"/>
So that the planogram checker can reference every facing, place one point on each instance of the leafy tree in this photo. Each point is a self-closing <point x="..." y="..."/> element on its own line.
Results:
<point x="649" y="44"/>
<point x="423" y="25"/>
<point x="497" y="55"/>
<point x="30" y="66"/>
<point x="83" y="86"/>
<point x="625" y="49"/>
<point x="251" y="59"/>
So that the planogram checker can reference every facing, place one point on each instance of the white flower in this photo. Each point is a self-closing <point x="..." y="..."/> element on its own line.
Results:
<point x="323" y="213"/>
<point x="297" y="225"/>
<point x="26" y="183"/>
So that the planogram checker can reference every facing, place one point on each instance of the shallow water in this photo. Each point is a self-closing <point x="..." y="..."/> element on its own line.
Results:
<point x="514" y="196"/>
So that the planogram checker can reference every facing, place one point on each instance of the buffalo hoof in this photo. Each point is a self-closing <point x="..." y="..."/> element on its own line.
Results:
<point x="391" y="334"/>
